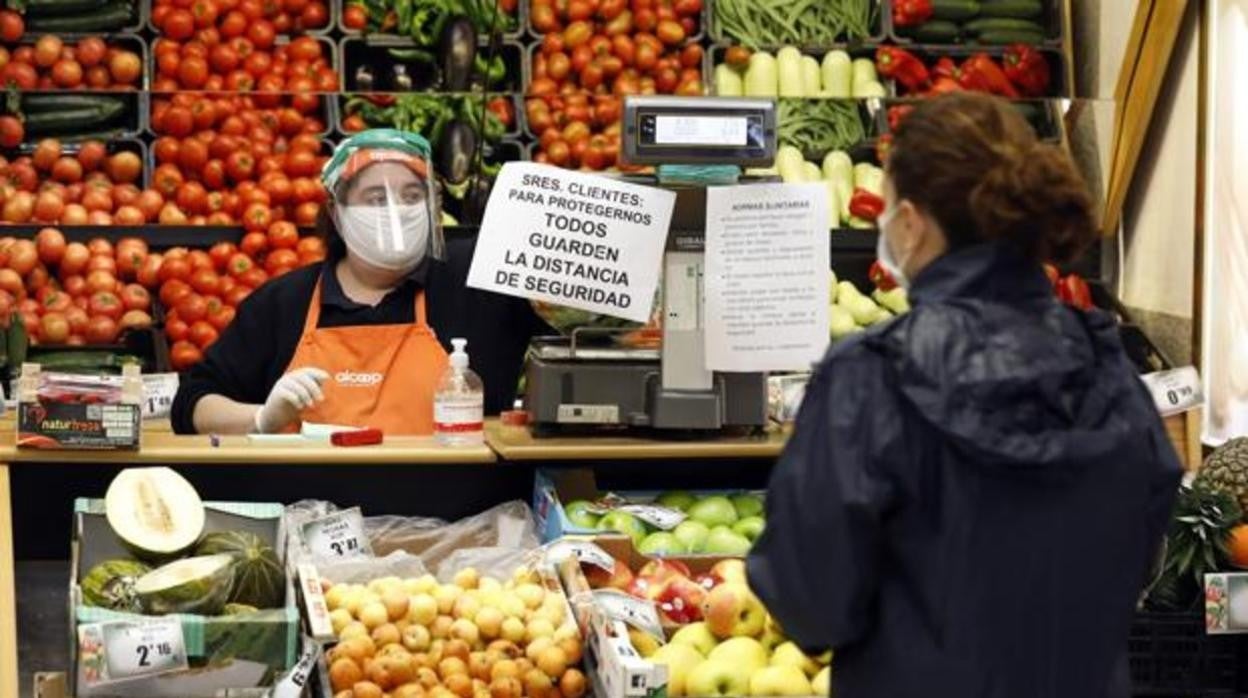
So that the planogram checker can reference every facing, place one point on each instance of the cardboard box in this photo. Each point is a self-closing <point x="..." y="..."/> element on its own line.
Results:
<point x="224" y="652"/>
<point x="52" y="424"/>
<point x="552" y="488"/>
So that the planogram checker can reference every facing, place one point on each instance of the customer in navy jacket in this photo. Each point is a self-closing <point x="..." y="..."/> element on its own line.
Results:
<point x="975" y="491"/>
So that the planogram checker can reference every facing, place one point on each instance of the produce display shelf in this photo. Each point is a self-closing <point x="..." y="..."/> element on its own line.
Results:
<point x="331" y="23"/>
<point x="536" y="47"/>
<point x="336" y="8"/>
<point x="331" y="52"/>
<point x="140" y="20"/>
<point x="1055" y="20"/>
<point x="714" y="56"/>
<point x="1059" y="87"/>
<point x="520" y="445"/>
<point x="133" y="123"/>
<point x="372" y="51"/>
<point x="158" y="237"/>
<point x="127" y="39"/>
<point x="879" y="29"/>
<point x="536" y="36"/>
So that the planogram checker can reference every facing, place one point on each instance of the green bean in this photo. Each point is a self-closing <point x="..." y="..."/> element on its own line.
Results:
<point x="770" y="23"/>
<point x="817" y="126"/>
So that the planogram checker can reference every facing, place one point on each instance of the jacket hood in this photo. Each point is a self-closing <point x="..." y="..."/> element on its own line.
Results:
<point x="989" y="358"/>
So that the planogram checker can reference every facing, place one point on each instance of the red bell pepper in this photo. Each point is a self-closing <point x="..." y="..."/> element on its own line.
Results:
<point x="902" y="66"/>
<point x="1027" y="69"/>
<point x="883" y="146"/>
<point x="943" y="85"/>
<point x="865" y="204"/>
<point x="946" y="68"/>
<point x="910" y="13"/>
<point x="1074" y="291"/>
<point x="897" y="113"/>
<point x="982" y="74"/>
<point x="880" y="277"/>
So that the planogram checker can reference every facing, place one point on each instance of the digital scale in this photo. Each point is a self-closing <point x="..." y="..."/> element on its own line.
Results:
<point x="588" y="381"/>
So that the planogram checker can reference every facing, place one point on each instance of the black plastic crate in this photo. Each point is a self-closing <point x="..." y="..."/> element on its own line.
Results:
<point x="68" y="147"/>
<point x="129" y="42"/>
<point x="139" y="10"/>
<point x="882" y="9"/>
<point x="337" y="7"/>
<point x="1170" y="655"/>
<point x="1052" y="19"/>
<point x="1058" y="85"/>
<point x="715" y="55"/>
<point x="378" y="54"/>
<point x="344" y="100"/>
<point x="131" y="122"/>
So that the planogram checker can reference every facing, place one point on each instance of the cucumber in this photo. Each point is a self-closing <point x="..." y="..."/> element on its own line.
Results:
<point x="104" y="136"/>
<point x="110" y="17"/>
<point x="937" y="31"/>
<point x="955" y="10"/>
<point x="55" y="102"/>
<point x="1011" y="36"/>
<point x="61" y="8"/>
<point x="988" y="24"/>
<point x="72" y="120"/>
<point x="1022" y="9"/>
<point x="81" y="360"/>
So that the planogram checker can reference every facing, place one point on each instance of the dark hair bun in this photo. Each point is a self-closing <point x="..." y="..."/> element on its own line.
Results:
<point x="1035" y="198"/>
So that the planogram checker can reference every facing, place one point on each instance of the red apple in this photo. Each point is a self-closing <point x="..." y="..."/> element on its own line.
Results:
<point x="680" y="601"/>
<point x="619" y="578"/>
<point x="732" y="610"/>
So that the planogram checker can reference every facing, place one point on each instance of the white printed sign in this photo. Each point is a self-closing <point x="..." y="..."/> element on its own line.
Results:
<point x="1175" y="391"/>
<point x="766" y="277"/>
<point x="117" y="650"/>
<point x="338" y="536"/>
<point x="573" y="239"/>
<point x="159" y="390"/>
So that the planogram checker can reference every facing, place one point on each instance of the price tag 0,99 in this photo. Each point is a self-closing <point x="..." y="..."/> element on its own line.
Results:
<point x="339" y="536"/>
<point x="118" y="650"/>
<point x="1175" y="391"/>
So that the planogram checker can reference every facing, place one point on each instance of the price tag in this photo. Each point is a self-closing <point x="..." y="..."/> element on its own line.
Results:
<point x="291" y="685"/>
<point x="158" y="392"/>
<point x="585" y="553"/>
<point x="118" y="650"/>
<point x="339" y="536"/>
<point x="639" y="613"/>
<point x="1175" y="391"/>
<point x="660" y="517"/>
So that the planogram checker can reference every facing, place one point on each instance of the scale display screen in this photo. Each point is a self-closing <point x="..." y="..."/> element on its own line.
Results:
<point x="701" y="130"/>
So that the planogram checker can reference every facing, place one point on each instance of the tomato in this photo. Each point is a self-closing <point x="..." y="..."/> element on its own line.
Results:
<point x="49" y="205"/>
<point x="192" y="198"/>
<point x="691" y="56"/>
<point x="150" y="202"/>
<point x="74" y="285"/>
<point x="354" y="17"/>
<point x="37" y="279"/>
<point x="559" y="153"/>
<point x="283" y="235"/>
<point x="11" y="26"/>
<point x="235" y="296"/>
<point x="12" y="133"/>
<point x="48" y="50"/>
<point x="240" y="165"/>
<point x="135" y="297"/>
<point x="105" y="303"/>
<point x="46" y="154"/>
<point x="690" y="88"/>
<point x="11" y="282"/>
<point x="253" y="278"/>
<point x="55" y="301"/>
<point x="314" y="16"/>
<point x="306" y="214"/>
<point x="544" y="19"/>
<point x="174" y="268"/>
<point x="577" y="33"/>
<point x="175" y="329"/>
<point x="206" y="281"/>
<point x="100" y="280"/>
<point x="74" y="259"/>
<point x="67" y="74"/>
<point x="221" y="317"/>
<point x="135" y="320"/>
<point x="256" y="217"/>
<point x="192" y="307"/>
<point x="183" y="355"/>
<point x="221" y="253"/>
<point x="202" y="334"/>
<point x="23" y="256"/>
<point x="54" y="328"/>
<point x="179" y="25"/>
<point x="124" y="167"/>
<point x="280" y="260"/>
<point x="78" y="319"/>
<point x="687" y="8"/>
<point x="101" y="329"/>
<point x="239" y="263"/>
<point x="50" y="245"/>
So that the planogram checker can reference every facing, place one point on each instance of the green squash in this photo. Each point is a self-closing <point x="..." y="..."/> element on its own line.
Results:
<point x="259" y="578"/>
<point x="199" y="585"/>
<point x="110" y="585"/>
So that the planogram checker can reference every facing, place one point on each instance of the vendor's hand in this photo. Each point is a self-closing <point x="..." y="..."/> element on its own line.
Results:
<point x="292" y="393"/>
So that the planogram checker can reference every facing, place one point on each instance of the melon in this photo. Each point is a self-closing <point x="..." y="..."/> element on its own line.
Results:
<point x="110" y="585"/>
<point x="199" y="585"/>
<point x="259" y="578"/>
<point x="238" y="609"/>
<point x="154" y="511"/>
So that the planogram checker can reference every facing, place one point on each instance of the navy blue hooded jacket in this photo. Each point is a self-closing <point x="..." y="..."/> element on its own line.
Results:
<point x="973" y="495"/>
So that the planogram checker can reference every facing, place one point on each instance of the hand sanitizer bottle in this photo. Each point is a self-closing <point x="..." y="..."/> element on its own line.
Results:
<point x="459" y="404"/>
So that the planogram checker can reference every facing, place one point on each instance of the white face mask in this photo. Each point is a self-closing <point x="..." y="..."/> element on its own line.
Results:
<point x="392" y="237"/>
<point x="884" y="252"/>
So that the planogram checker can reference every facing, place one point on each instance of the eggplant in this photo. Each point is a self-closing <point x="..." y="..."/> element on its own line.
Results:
<point x="458" y="51"/>
<point x="474" y="202"/>
<point x="364" y="79"/>
<point x="457" y="149"/>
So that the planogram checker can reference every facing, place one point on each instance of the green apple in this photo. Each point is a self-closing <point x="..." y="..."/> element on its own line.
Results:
<point x="723" y="541"/>
<point x="714" y="511"/>
<point x="751" y="527"/>
<point x="718" y="678"/>
<point x="779" y="681"/>
<point x="662" y="543"/>
<point x="680" y="660"/>
<point x="747" y="505"/>
<point x="822" y="683"/>
<point x="679" y="500"/>
<point x="693" y="534"/>
<point x="789" y="654"/>
<point x="623" y="522"/>
<point x="730" y="570"/>
<point x="579" y="515"/>
<point x="771" y="637"/>
<point x="744" y="652"/>
<point x="697" y="636"/>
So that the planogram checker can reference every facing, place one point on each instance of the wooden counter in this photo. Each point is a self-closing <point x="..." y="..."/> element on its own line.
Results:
<point x="513" y="444"/>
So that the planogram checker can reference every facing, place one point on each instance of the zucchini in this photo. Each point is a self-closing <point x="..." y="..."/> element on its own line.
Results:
<point x="955" y="10"/>
<point x="111" y="17"/>
<point x="1010" y="36"/>
<point x="72" y="120"/>
<point x="988" y="24"/>
<point x="1022" y="9"/>
<point x="937" y="31"/>
<point x="56" y="102"/>
<point x="61" y="8"/>
<point x="81" y="360"/>
<point x="104" y="136"/>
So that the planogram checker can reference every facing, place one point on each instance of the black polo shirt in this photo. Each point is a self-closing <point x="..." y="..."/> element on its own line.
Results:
<point x="254" y="351"/>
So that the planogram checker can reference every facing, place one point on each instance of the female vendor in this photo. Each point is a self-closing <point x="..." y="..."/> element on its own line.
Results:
<point x="359" y="339"/>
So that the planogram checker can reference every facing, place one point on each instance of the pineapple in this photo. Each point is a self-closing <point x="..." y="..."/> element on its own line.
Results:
<point x="1195" y="545"/>
<point x="1226" y="469"/>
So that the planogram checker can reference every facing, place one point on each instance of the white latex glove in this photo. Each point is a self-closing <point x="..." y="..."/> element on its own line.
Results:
<point x="293" y="392"/>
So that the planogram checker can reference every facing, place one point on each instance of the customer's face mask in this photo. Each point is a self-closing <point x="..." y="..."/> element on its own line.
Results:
<point x="884" y="251"/>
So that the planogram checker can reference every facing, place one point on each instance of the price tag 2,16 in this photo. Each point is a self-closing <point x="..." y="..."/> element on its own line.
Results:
<point x="118" y="650"/>
<point x="339" y="536"/>
<point x="1175" y="391"/>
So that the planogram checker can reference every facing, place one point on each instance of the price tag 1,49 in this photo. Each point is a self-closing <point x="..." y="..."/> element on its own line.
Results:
<point x="339" y="536"/>
<point x="1175" y="391"/>
<point x="158" y="392"/>
<point x="117" y="650"/>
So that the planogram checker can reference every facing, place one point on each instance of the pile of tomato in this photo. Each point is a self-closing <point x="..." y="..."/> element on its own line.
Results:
<point x="233" y="45"/>
<point x="51" y="63"/>
<point x="231" y="159"/>
<point x="88" y="186"/>
<point x="576" y="131"/>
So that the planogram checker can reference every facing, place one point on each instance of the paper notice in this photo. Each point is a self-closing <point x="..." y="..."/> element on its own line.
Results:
<point x="573" y="239"/>
<point x="766" y="277"/>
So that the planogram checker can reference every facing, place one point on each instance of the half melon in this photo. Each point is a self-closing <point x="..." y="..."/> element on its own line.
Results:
<point x="154" y="511"/>
<point x="199" y="585"/>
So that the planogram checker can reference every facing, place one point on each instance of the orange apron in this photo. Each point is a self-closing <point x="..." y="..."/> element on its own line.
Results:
<point x="381" y="376"/>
